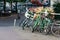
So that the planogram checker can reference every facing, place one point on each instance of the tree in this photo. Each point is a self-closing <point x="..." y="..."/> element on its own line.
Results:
<point x="56" y="7"/>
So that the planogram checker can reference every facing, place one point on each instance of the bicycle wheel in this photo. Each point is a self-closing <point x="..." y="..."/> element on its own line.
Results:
<point x="30" y="24"/>
<point x="23" y="23"/>
<point x="46" y="31"/>
<point x="55" y="29"/>
<point x="34" y="27"/>
<point x="20" y="23"/>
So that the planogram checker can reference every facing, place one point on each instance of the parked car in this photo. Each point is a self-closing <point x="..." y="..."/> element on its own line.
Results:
<point x="21" y="8"/>
<point x="7" y="8"/>
<point x="13" y="7"/>
<point x="30" y="5"/>
<point x="1" y="6"/>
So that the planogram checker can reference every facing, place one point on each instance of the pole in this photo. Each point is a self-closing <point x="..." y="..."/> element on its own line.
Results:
<point x="14" y="22"/>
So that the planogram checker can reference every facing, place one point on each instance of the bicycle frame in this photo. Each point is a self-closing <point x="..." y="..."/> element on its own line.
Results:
<point x="43" y="23"/>
<point x="29" y="17"/>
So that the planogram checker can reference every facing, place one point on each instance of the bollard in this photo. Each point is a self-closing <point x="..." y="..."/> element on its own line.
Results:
<point x="14" y="22"/>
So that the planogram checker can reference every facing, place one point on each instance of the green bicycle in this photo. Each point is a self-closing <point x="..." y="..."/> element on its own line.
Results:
<point x="41" y="24"/>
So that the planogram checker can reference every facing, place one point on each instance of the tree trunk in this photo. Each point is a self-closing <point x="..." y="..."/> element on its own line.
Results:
<point x="11" y="5"/>
<point x="16" y="6"/>
<point x="18" y="17"/>
<point x="4" y="5"/>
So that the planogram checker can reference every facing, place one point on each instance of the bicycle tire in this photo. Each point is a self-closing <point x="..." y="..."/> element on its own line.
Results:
<point x="20" y="23"/>
<point x="54" y="31"/>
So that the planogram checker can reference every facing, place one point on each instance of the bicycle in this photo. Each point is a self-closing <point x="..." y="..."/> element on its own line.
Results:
<point x="25" y="22"/>
<point x="40" y="23"/>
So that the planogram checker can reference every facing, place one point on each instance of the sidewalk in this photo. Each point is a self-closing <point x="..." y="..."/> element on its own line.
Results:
<point x="28" y="35"/>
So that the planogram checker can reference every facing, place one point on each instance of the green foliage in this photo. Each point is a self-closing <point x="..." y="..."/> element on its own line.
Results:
<point x="56" y="7"/>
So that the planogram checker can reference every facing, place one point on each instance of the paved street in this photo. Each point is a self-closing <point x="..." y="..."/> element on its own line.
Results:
<point x="7" y="29"/>
<point x="9" y="32"/>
